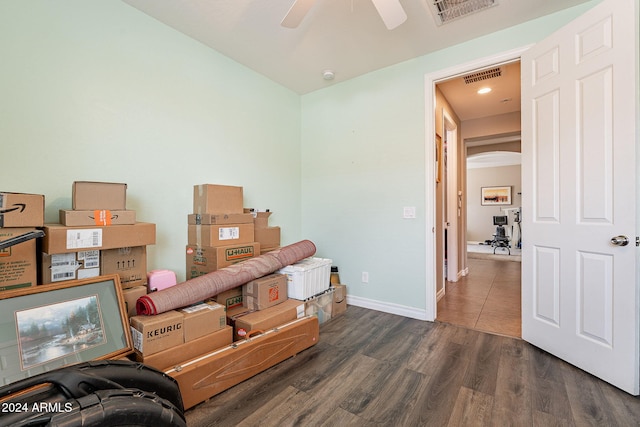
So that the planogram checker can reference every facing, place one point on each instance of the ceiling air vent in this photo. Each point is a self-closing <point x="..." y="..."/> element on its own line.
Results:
<point x="448" y="10"/>
<point x="482" y="75"/>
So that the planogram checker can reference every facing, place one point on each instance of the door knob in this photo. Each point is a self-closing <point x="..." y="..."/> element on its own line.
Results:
<point x="620" y="241"/>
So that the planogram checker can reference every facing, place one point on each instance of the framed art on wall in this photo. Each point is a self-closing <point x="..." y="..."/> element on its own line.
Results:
<point x="50" y="326"/>
<point x="495" y="195"/>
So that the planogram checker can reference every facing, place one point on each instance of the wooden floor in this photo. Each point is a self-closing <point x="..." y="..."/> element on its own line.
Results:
<point x="376" y="369"/>
<point x="486" y="299"/>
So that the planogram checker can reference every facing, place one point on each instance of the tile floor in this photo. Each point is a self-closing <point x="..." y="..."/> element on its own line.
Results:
<point x="487" y="299"/>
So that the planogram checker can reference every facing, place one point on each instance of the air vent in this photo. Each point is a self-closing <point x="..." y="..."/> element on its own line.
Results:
<point x="449" y="10"/>
<point x="482" y="75"/>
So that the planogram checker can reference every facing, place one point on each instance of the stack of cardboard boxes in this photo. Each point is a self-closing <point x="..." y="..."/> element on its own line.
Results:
<point x="170" y="338"/>
<point x="20" y="214"/>
<point x="98" y="236"/>
<point x="219" y="232"/>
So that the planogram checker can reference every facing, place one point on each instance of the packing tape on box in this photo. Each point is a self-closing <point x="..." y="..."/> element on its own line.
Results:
<point x="211" y="284"/>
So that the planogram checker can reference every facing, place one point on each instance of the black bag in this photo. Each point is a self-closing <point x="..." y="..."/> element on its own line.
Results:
<point x="109" y="393"/>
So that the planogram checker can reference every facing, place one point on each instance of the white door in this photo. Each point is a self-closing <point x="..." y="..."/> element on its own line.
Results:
<point x="580" y="297"/>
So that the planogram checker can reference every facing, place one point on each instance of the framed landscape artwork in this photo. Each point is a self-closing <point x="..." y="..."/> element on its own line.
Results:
<point x="50" y="326"/>
<point x="496" y="195"/>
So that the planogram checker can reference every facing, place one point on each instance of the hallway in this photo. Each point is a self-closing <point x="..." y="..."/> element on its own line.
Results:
<point x="487" y="299"/>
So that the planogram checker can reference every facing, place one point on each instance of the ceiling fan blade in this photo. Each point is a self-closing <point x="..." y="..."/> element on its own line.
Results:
<point x="391" y="12"/>
<point x="297" y="12"/>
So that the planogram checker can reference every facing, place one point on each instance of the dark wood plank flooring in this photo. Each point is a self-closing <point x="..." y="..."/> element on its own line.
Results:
<point x="377" y="369"/>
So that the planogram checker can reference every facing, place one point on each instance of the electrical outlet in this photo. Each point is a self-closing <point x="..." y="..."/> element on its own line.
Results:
<point x="365" y="277"/>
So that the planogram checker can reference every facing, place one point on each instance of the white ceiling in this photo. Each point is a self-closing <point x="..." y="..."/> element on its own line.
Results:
<point x="468" y="104"/>
<point x="346" y="36"/>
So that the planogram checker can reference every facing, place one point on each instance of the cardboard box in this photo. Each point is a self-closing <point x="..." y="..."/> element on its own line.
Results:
<point x="339" y="300"/>
<point x="220" y="235"/>
<point x="129" y="263"/>
<point x="268" y="237"/>
<point x="21" y="210"/>
<point x="260" y="218"/>
<point x="69" y="266"/>
<point x="308" y="277"/>
<point x="320" y="306"/>
<point x="89" y="195"/>
<point x="205" y="259"/>
<point x="267" y="250"/>
<point x="203" y="319"/>
<point x="231" y="298"/>
<point x="220" y="219"/>
<point x="177" y="355"/>
<point x="215" y="199"/>
<point x="131" y="296"/>
<point x="18" y="263"/>
<point x="265" y="292"/>
<point x="152" y="334"/>
<point x="61" y="239"/>
<point x="97" y="217"/>
<point x="268" y="318"/>
<point x="236" y="311"/>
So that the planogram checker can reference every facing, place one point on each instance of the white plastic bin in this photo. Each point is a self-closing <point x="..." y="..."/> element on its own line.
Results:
<point x="307" y="278"/>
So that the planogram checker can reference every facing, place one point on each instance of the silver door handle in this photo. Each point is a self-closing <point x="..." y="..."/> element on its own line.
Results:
<point x="620" y="241"/>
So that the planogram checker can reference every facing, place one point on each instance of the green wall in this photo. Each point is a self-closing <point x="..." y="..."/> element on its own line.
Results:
<point x="363" y="161"/>
<point x="99" y="91"/>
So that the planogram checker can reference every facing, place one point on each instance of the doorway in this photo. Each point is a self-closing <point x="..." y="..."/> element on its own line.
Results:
<point x="479" y="290"/>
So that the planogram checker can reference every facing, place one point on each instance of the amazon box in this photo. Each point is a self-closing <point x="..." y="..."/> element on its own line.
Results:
<point x="152" y="334"/>
<point x="18" y="263"/>
<point x="88" y="195"/>
<point x="62" y="239"/>
<point x="215" y="199"/>
<point x="205" y="259"/>
<point x="265" y="292"/>
<point x="220" y="235"/>
<point x="339" y="300"/>
<point x="97" y="217"/>
<point x="21" y="210"/>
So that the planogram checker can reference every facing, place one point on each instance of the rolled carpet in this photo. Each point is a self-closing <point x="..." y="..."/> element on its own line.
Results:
<point x="211" y="284"/>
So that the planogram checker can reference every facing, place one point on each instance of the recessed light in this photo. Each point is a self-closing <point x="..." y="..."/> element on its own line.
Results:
<point x="484" y="90"/>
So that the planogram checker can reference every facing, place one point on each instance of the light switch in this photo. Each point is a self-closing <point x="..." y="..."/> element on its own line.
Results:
<point x="409" y="212"/>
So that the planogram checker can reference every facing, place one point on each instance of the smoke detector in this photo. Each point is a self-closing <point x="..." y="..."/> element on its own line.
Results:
<point x="328" y="75"/>
<point x="448" y="10"/>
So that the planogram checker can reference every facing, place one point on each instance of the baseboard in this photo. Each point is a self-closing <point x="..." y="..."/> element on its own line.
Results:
<point x="385" y="307"/>
<point x="440" y="294"/>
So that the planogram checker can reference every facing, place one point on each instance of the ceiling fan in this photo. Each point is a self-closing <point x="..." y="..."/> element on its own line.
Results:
<point x="390" y="11"/>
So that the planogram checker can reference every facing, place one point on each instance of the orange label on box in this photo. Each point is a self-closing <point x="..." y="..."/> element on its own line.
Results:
<point x="102" y="217"/>
<point x="273" y="294"/>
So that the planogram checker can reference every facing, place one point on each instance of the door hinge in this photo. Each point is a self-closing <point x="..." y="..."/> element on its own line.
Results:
<point x="637" y="241"/>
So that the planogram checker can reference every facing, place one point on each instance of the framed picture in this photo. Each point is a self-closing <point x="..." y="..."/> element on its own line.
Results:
<point x="496" y="196"/>
<point x="50" y="326"/>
